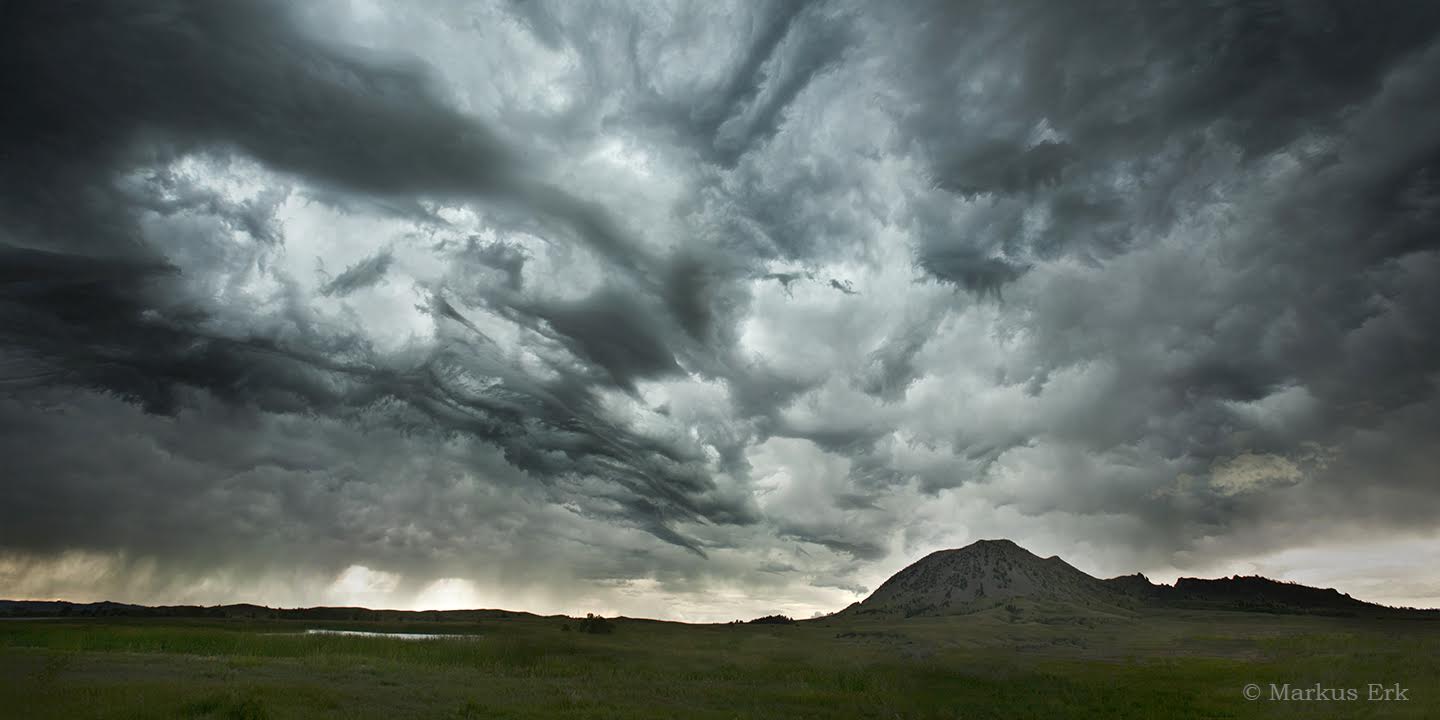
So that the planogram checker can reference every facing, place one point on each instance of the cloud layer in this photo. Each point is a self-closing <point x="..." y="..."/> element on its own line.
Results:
<point x="677" y="309"/>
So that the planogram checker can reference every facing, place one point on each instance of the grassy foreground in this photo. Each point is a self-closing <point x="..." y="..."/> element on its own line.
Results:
<point x="995" y="664"/>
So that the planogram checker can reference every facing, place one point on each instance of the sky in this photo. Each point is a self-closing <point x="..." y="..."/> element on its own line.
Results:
<point x="710" y="310"/>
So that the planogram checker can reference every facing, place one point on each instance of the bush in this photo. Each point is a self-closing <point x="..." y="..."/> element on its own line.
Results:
<point x="596" y="625"/>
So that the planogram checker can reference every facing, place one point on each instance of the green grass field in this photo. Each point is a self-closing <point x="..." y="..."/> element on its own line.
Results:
<point x="994" y="664"/>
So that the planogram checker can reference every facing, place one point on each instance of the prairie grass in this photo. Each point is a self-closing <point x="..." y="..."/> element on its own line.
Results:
<point x="1161" y="665"/>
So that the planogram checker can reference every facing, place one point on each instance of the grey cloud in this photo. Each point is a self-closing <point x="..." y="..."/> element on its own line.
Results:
<point x="1005" y="169"/>
<point x="610" y="329"/>
<point x="691" y="290"/>
<point x="968" y="268"/>
<point x="1258" y="76"/>
<point x="508" y="259"/>
<point x="806" y="50"/>
<point x="892" y="367"/>
<point x="790" y="44"/>
<point x="1188" y="338"/>
<point x="785" y="279"/>
<point x="858" y="549"/>
<point x="361" y="275"/>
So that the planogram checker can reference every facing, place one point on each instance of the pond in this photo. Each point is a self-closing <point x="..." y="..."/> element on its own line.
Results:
<point x="391" y="635"/>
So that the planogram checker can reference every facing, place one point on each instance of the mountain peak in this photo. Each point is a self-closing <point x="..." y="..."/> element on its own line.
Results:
<point x="999" y="546"/>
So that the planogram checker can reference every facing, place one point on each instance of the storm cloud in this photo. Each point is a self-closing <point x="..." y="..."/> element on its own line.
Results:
<point x="685" y="309"/>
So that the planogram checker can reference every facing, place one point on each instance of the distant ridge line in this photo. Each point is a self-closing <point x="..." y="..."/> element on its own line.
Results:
<point x="106" y="608"/>
<point x="981" y="575"/>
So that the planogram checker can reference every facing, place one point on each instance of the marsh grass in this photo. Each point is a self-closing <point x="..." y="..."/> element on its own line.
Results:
<point x="1164" y="666"/>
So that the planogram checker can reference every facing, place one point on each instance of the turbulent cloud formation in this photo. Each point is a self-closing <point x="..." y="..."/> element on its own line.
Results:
<point x="697" y="309"/>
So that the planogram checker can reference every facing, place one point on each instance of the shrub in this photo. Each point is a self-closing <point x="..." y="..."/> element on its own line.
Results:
<point x="773" y="620"/>
<point x="596" y="625"/>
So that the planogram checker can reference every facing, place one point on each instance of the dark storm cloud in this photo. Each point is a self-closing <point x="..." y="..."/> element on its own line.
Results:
<point x="262" y="493"/>
<point x="608" y="329"/>
<point x="1255" y="75"/>
<point x="100" y="88"/>
<point x="862" y="279"/>
<point x="111" y="84"/>
<point x="235" y="73"/>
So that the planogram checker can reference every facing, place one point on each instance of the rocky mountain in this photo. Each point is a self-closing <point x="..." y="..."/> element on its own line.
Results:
<point x="984" y="573"/>
<point x="995" y="572"/>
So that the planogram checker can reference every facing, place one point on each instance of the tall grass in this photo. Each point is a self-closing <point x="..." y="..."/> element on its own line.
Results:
<point x="947" y="668"/>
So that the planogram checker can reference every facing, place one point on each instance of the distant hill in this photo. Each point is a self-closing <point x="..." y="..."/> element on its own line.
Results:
<point x="993" y="572"/>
